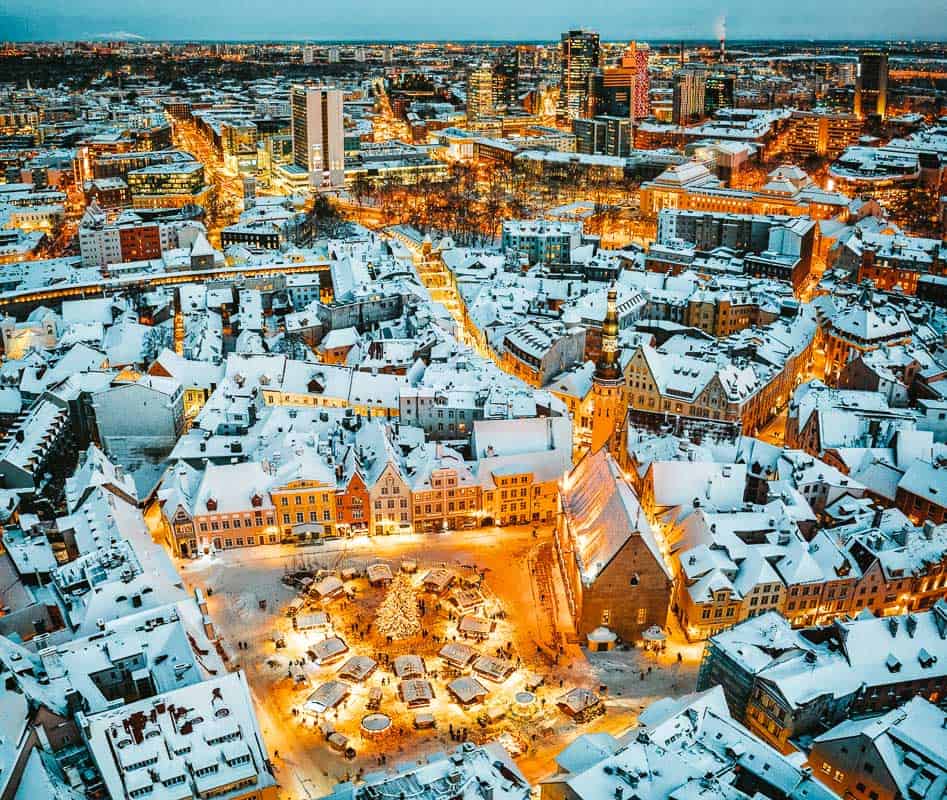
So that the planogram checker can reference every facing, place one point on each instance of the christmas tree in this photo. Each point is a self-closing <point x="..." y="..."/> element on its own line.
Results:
<point x="398" y="613"/>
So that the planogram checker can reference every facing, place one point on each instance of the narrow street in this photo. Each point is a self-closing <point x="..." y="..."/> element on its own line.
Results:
<point x="228" y="188"/>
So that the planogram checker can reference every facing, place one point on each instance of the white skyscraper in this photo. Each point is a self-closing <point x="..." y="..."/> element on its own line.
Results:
<point x="318" y="135"/>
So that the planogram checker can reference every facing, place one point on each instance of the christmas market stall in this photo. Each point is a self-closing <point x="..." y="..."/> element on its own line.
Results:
<point x="328" y="651"/>
<point x="494" y="669"/>
<point x="409" y="666"/>
<point x="318" y="621"/>
<point x="379" y="574"/>
<point x="475" y="627"/>
<point x="457" y="655"/>
<point x="357" y="669"/>
<point x="329" y="588"/>
<point x="581" y="704"/>
<point x="416" y="693"/>
<point x="326" y="697"/>
<point x="466" y="600"/>
<point x="467" y="691"/>
<point x="438" y="580"/>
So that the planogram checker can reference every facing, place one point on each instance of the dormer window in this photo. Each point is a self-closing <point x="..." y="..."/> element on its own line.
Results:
<point x="211" y="503"/>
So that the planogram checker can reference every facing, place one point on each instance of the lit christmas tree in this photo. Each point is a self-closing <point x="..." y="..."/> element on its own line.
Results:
<point x="398" y="613"/>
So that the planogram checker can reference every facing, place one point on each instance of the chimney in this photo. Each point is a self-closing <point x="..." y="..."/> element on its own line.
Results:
<point x="200" y="600"/>
<point x="893" y="626"/>
<point x="911" y="625"/>
<point x="83" y="724"/>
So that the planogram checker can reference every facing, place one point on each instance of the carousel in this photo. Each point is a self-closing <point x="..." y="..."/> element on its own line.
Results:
<point x="376" y="726"/>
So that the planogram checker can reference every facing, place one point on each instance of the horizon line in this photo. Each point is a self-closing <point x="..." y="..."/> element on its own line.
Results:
<point x="138" y="39"/>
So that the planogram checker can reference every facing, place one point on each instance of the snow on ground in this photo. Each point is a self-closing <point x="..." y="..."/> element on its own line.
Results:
<point x="307" y="767"/>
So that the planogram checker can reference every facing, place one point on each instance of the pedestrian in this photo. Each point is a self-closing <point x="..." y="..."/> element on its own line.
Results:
<point x="680" y="658"/>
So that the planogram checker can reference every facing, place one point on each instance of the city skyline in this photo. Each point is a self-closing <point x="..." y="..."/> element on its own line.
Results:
<point x="414" y="21"/>
<point x="401" y="403"/>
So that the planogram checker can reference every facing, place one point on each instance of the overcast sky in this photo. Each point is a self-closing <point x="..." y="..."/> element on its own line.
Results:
<point x="483" y="19"/>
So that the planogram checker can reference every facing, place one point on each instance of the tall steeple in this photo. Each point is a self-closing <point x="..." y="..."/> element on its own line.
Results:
<point x="608" y="367"/>
<point x="609" y="405"/>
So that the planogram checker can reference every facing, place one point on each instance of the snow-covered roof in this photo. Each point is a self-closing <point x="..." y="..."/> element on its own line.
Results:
<point x="603" y="513"/>
<point x="863" y="651"/>
<point x="687" y="748"/>
<point x="205" y="733"/>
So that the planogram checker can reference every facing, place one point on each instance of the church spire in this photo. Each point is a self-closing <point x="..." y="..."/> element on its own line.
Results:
<point x="608" y="367"/>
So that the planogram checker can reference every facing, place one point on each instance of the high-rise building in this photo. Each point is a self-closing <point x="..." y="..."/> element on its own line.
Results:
<point x="822" y="133"/>
<point x="871" y="84"/>
<point x="626" y="88"/>
<point x="689" y="88"/>
<point x="605" y="135"/>
<point x="580" y="58"/>
<point x="238" y="142"/>
<point x="318" y="136"/>
<point x="480" y="92"/>
<point x="506" y="77"/>
<point x="249" y="191"/>
<point x="718" y="93"/>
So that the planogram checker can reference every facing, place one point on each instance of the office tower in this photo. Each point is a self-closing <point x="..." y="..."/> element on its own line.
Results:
<point x="589" y="136"/>
<point x="689" y="89"/>
<point x="480" y="92"/>
<point x="871" y="84"/>
<point x="238" y="141"/>
<point x="309" y="54"/>
<point x="608" y="136"/>
<point x="625" y="89"/>
<point x="822" y="133"/>
<point x="249" y="191"/>
<point x="718" y="93"/>
<point x="506" y="78"/>
<point x="318" y="137"/>
<point x="580" y="58"/>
